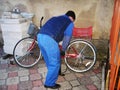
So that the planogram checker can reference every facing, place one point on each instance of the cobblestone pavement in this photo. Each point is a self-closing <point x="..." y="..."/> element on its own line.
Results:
<point x="13" y="77"/>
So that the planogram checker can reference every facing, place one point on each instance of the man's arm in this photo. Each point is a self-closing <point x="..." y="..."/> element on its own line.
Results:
<point x="67" y="36"/>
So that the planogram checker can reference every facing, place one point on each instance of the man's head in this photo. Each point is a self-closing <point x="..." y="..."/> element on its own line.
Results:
<point x="71" y="14"/>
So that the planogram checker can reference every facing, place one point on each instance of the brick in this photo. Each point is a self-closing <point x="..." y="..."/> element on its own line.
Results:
<point x="70" y="77"/>
<point x="12" y="74"/>
<point x="94" y="78"/>
<point x="43" y="74"/>
<point x="61" y="79"/>
<point x="98" y="70"/>
<point x="91" y="87"/>
<point x="12" y="80"/>
<point x="3" y="71"/>
<point x="25" y="85"/>
<point x="98" y="84"/>
<point x="12" y="69"/>
<point x="85" y="80"/>
<point x="3" y="87"/>
<point x="3" y="66"/>
<point x="24" y="78"/>
<point x="65" y="86"/>
<point x="42" y="64"/>
<point x="39" y="88"/>
<point x="4" y="61"/>
<point x="23" y="72"/>
<point x="43" y="69"/>
<point x="11" y="66"/>
<point x="79" y="75"/>
<point x="37" y="83"/>
<point x="13" y="87"/>
<point x="81" y="87"/>
<point x="89" y="73"/>
<point x="2" y="82"/>
<point x="75" y="83"/>
<point x="100" y="76"/>
<point x="3" y="75"/>
<point x="33" y="71"/>
<point x="35" y="77"/>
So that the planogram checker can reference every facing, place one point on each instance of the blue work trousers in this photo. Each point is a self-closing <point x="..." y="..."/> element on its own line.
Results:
<point x="51" y="53"/>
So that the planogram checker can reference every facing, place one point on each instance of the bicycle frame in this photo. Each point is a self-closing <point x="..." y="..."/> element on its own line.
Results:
<point x="74" y="55"/>
<point x="32" y="45"/>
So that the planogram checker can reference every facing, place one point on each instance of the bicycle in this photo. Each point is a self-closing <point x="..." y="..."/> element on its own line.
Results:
<point x="80" y="55"/>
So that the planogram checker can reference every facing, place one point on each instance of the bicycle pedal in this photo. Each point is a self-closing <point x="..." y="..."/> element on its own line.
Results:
<point x="88" y="63"/>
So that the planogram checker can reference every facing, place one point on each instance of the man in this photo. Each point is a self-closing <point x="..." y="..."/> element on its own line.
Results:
<point x="56" y="29"/>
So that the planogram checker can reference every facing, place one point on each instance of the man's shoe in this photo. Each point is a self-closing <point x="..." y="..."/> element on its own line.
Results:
<point x="53" y="87"/>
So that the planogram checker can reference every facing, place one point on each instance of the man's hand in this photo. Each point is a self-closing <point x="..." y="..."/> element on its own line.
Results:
<point x="62" y="53"/>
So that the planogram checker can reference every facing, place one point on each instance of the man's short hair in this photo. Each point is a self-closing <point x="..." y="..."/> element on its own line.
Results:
<point x="71" y="13"/>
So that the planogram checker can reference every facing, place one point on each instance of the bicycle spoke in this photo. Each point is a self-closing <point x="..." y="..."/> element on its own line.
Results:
<point x="85" y="56"/>
<point x="89" y="58"/>
<point x="76" y="61"/>
<point x="26" y="52"/>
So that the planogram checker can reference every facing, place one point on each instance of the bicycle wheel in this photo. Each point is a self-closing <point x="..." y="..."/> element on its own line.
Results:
<point x="80" y="55"/>
<point x="26" y="52"/>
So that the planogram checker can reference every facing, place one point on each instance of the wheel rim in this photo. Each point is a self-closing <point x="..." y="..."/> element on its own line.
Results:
<point x="73" y="60"/>
<point x="21" y="58"/>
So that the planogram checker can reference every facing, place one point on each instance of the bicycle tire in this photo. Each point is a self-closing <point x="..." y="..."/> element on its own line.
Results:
<point x="26" y="55"/>
<point x="85" y="57"/>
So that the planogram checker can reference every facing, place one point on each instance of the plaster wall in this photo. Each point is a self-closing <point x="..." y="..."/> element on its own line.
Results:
<point x="96" y="13"/>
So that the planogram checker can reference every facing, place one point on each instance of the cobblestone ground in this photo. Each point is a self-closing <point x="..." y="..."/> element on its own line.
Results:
<point x="13" y="77"/>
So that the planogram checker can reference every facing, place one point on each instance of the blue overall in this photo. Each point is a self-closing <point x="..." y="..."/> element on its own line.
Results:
<point x="55" y="30"/>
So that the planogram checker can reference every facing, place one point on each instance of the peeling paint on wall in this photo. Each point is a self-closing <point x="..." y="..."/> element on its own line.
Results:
<point x="96" y="13"/>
